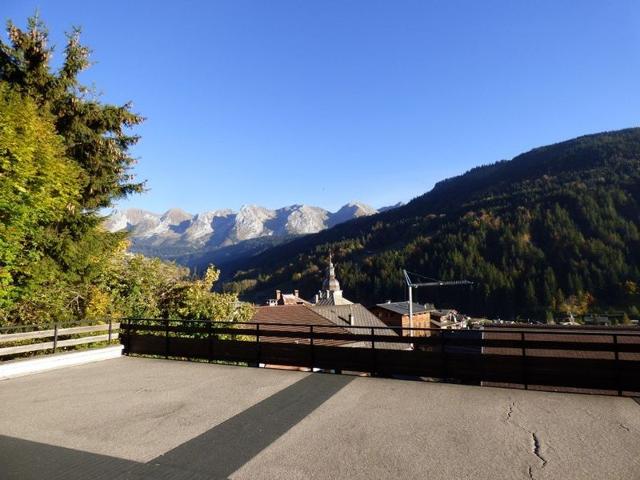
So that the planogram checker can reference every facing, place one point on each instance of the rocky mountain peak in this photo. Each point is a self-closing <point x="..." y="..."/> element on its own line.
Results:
<point x="351" y="210"/>
<point x="179" y="232"/>
<point x="175" y="216"/>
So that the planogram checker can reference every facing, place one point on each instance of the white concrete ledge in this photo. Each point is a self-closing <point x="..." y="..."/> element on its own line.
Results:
<point x="18" y="368"/>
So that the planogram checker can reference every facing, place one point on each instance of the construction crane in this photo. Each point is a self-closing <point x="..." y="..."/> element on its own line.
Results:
<point x="431" y="282"/>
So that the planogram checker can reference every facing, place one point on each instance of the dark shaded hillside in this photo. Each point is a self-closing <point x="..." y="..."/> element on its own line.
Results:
<point x="540" y="234"/>
<point x="199" y="261"/>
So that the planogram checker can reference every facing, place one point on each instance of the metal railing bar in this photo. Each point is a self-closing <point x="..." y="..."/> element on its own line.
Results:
<point x="625" y="331"/>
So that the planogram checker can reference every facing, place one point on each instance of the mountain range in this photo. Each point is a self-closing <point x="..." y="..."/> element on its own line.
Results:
<point x="216" y="235"/>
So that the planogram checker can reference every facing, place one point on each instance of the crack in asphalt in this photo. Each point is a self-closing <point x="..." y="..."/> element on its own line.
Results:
<point x="510" y="411"/>
<point x="536" y="443"/>
<point x="536" y="449"/>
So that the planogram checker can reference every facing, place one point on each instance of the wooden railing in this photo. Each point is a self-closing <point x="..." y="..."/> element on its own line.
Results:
<point x="31" y="338"/>
<point x="603" y="361"/>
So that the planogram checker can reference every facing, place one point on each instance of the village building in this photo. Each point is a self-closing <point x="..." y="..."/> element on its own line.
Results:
<point x="448" y="319"/>
<point x="356" y="319"/>
<point x="396" y="315"/>
<point x="328" y="308"/>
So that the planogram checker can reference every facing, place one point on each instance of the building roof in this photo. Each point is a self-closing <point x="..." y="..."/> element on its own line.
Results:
<point x="293" y="314"/>
<point x="402" y="308"/>
<point x="339" y="314"/>
<point x="331" y="316"/>
<point x="298" y="319"/>
<point x="292" y="299"/>
<point x="356" y="315"/>
<point x="332" y="299"/>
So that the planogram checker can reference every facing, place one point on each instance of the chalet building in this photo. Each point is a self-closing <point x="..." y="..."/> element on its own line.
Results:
<point x="396" y="315"/>
<point x="448" y="319"/>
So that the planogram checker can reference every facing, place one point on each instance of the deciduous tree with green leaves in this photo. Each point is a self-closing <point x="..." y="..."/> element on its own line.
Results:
<point x="39" y="187"/>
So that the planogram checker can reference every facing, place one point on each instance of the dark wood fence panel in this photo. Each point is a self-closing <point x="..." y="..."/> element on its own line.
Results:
<point x="410" y="362"/>
<point x="144" y="344"/>
<point x="234" y="351"/>
<point x="355" y="359"/>
<point x="593" y="360"/>
<point x="188" y="347"/>
<point x="290" y="354"/>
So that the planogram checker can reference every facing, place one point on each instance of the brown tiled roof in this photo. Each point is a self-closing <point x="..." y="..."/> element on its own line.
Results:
<point x="295" y="314"/>
<point x="297" y="318"/>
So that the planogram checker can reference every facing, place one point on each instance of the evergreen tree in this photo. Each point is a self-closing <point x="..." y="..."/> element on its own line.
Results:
<point x="95" y="133"/>
<point x="93" y="136"/>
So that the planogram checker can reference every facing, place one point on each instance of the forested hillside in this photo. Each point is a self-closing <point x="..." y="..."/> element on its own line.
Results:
<point x="551" y="231"/>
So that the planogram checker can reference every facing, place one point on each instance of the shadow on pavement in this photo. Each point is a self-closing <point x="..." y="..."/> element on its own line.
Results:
<point x="215" y="454"/>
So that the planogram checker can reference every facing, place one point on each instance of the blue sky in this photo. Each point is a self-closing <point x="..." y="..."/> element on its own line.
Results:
<point x="322" y="102"/>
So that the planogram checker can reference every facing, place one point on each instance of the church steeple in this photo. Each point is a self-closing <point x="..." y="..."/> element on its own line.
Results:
<point x="331" y="294"/>
<point x="330" y="282"/>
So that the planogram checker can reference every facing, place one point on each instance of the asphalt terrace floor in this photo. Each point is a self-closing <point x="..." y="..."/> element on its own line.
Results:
<point x="136" y="418"/>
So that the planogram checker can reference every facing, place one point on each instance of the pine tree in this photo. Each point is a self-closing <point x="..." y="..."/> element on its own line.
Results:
<point x="95" y="133"/>
<point x="95" y="139"/>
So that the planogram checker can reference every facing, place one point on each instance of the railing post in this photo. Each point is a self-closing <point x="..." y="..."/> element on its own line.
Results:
<point x="210" y="350"/>
<point x="166" y="336"/>
<point x="312" y="350"/>
<point x="128" y="324"/>
<point x="110" y="329"/>
<point x="373" y="352"/>
<point x="443" y="353"/>
<point x="617" y="364"/>
<point x="524" y="362"/>
<point x="258" y="344"/>
<point x="55" y="337"/>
